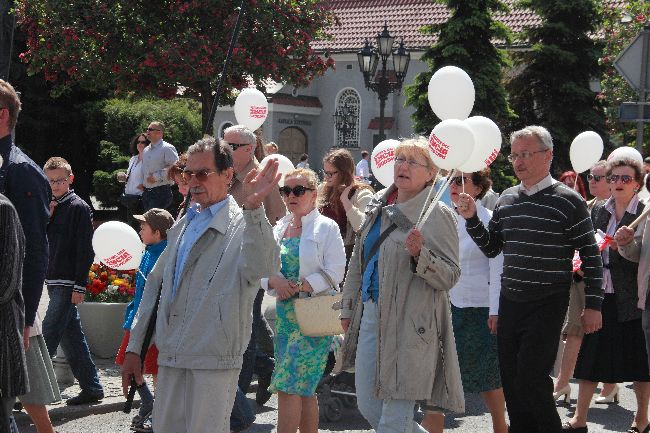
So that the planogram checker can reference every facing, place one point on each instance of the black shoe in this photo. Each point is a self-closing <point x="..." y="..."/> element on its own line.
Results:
<point x="566" y="427"/>
<point x="263" y="395"/>
<point x="84" y="397"/>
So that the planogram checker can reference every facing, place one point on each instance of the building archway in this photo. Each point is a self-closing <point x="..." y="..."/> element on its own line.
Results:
<point x="292" y="143"/>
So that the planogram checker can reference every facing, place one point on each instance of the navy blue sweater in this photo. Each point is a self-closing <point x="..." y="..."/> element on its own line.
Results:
<point x="25" y="185"/>
<point x="70" y="233"/>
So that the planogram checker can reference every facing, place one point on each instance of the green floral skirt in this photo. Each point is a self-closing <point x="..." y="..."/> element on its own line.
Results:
<point x="299" y="361"/>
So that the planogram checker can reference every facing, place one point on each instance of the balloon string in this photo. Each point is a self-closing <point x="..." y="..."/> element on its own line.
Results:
<point x="435" y="200"/>
<point x="462" y="181"/>
<point x="431" y="194"/>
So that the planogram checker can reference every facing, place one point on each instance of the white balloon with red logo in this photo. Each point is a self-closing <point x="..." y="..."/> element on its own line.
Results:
<point x="251" y="108"/>
<point x="625" y="152"/>
<point x="487" y="144"/>
<point x="586" y="150"/>
<point x="451" y="93"/>
<point x="451" y="143"/>
<point x="382" y="162"/>
<point x="284" y="165"/>
<point x="118" y="246"/>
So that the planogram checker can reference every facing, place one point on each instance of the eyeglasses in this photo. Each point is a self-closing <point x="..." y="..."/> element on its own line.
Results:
<point x="411" y="162"/>
<point x="58" y="181"/>
<point x="523" y="155"/>
<point x="201" y="175"/>
<point x="142" y="141"/>
<point x="235" y="146"/>
<point x="459" y="180"/>
<point x="152" y="129"/>
<point x="296" y="190"/>
<point x="625" y="178"/>
<point x="595" y="177"/>
<point x="330" y="173"/>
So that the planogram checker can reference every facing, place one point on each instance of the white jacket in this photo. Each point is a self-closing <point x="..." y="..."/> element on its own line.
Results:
<point x="321" y="249"/>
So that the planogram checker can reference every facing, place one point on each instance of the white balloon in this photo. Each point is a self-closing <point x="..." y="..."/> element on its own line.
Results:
<point x="487" y="144"/>
<point x="586" y="150"/>
<point x="251" y="108"/>
<point x="382" y="162"/>
<point x="451" y="93"/>
<point x="118" y="246"/>
<point x="627" y="153"/>
<point x="451" y="143"/>
<point x="284" y="165"/>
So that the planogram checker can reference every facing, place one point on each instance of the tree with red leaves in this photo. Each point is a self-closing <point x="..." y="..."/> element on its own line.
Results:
<point x="164" y="46"/>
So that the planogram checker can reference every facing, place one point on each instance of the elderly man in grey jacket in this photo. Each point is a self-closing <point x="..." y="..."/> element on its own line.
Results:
<point x="209" y="274"/>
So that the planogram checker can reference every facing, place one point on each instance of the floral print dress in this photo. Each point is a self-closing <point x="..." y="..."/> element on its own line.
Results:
<point x="299" y="361"/>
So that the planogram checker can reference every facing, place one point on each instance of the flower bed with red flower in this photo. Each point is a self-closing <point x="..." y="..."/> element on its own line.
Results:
<point x="109" y="285"/>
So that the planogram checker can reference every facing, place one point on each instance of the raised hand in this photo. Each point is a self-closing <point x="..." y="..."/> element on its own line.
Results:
<point x="261" y="183"/>
<point x="466" y="206"/>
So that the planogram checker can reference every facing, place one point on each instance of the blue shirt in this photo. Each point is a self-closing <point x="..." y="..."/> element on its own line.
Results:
<point x="446" y="196"/>
<point x="150" y="257"/>
<point x="370" y="278"/>
<point x="197" y="224"/>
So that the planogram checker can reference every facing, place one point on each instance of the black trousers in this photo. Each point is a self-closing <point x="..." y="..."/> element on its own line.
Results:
<point x="528" y="335"/>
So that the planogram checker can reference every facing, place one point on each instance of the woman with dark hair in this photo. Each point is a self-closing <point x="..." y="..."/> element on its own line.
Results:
<point x="175" y="173"/>
<point x="569" y="179"/>
<point x="342" y="198"/>
<point x="134" y="179"/>
<point x="617" y="352"/>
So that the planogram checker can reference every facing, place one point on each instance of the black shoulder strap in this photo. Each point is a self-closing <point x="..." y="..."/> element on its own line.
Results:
<point x="376" y="245"/>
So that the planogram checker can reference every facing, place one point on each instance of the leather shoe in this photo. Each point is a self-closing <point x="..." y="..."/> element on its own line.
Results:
<point x="84" y="397"/>
<point x="566" y="427"/>
<point x="263" y="395"/>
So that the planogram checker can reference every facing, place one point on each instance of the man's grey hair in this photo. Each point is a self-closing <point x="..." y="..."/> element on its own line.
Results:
<point x="244" y="135"/>
<point x="539" y="132"/>
<point x="203" y="145"/>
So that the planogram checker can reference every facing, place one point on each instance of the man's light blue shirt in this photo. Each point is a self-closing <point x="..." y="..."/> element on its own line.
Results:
<point x="197" y="224"/>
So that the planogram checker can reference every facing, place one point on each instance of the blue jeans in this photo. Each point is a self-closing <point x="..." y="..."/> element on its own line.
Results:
<point x="385" y="416"/>
<point x="62" y="326"/>
<point x="159" y="197"/>
<point x="242" y="416"/>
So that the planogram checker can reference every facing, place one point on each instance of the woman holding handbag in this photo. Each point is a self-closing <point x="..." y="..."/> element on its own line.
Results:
<point x="396" y="300"/>
<point x="313" y="260"/>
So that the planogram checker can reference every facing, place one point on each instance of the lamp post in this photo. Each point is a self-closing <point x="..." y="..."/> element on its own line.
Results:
<point x="387" y="80"/>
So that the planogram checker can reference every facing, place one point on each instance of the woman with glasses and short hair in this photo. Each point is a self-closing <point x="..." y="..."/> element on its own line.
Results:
<point x="342" y="197"/>
<point x="313" y="261"/>
<point x="395" y="307"/>
<point x="617" y="352"/>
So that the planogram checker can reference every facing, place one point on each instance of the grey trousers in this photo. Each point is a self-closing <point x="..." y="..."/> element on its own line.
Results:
<point x="194" y="401"/>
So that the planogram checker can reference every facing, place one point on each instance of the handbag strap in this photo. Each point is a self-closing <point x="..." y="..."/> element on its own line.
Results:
<point x="376" y="245"/>
<point x="329" y="280"/>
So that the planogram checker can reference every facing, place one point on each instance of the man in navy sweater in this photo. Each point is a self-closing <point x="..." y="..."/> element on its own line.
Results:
<point x="538" y="225"/>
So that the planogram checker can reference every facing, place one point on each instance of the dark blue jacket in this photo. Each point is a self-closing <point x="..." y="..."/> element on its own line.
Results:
<point x="70" y="233"/>
<point x="25" y="185"/>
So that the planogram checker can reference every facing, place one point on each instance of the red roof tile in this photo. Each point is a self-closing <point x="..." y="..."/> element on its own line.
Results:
<point x="298" y="101"/>
<point x="361" y="19"/>
<point x="388" y="123"/>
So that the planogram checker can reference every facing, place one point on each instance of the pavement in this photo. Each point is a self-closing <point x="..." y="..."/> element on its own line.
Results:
<point x="107" y="416"/>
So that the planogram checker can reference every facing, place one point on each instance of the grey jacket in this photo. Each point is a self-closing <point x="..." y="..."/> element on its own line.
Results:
<point x="417" y="357"/>
<point x="207" y="324"/>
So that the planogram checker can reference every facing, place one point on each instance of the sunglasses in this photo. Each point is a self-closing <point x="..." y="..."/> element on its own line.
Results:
<point x="201" y="175"/>
<point x="152" y="129"/>
<point x="142" y="141"/>
<point x="235" y="146"/>
<point x="298" y="191"/>
<point x="623" y="178"/>
<point x="459" y="180"/>
<point x="595" y="177"/>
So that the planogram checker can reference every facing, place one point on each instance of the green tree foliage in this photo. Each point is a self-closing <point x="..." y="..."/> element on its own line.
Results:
<point x="551" y="85"/>
<point x="161" y="46"/>
<point x="467" y="40"/>
<point x="615" y="89"/>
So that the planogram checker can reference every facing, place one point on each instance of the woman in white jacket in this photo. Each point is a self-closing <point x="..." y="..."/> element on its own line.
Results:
<point x="310" y="247"/>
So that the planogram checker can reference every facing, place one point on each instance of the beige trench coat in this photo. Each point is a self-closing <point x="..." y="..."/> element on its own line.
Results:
<point x="417" y="357"/>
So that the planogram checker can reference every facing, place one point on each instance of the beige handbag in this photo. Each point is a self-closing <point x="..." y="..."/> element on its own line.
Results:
<point x="318" y="316"/>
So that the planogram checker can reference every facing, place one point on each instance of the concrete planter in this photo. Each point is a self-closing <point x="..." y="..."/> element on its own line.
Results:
<point x="102" y="325"/>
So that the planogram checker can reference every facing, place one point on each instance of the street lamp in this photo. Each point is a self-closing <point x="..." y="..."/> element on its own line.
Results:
<point x="345" y="120"/>
<point x="383" y="83"/>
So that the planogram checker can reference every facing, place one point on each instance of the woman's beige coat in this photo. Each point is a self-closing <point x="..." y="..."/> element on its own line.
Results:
<point x="417" y="357"/>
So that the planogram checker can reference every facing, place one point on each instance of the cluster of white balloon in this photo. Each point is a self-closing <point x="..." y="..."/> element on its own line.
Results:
<point x="117" y="244"/>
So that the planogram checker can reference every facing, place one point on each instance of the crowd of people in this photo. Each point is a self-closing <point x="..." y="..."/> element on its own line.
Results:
<point x="476" y="299"/>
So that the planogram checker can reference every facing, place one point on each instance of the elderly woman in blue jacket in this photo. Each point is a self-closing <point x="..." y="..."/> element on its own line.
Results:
<point x="312" y="255"/>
